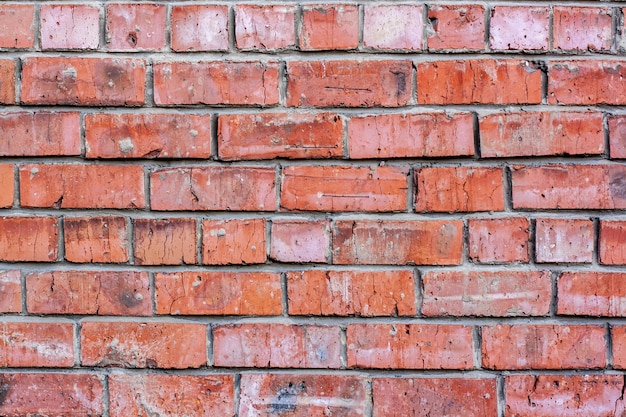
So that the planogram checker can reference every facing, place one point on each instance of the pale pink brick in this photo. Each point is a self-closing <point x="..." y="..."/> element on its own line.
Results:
<point x="300" y="241"/>
<point x="136" y="26"/>
<point x="582" y="28"/>
<point x="393" y="27"/>
<point x="520" y="27"/>
<point x="564" y="240"/>
<point x="265" y="27"/>
<point x="199" y="28"/>
<point x="69" y="26"/>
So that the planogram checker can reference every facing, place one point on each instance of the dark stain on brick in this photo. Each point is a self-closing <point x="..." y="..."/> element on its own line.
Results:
<point x="287" y="397"/>
<point x="5" y="388"/>
<point x="618" y="185"/>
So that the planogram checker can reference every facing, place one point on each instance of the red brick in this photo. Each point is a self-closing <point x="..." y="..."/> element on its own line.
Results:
<point x="344" y="188"/>
<point x="51" y="394"/>
<point x="88" y="293"/>
<point x="349" y="83"/>
<point x="42" y="133"/>
<point x="592" y="294"/>
<point x="96" y="239"/>
<point x="303" y="395"/>
<point x="550" y="395"/>
<point x="7" y="185"/>
<point x="10" y="292"/>
<point x="486" y="293"/>
<point x="482" y="81"/>
<point x="36" y="344"/>
<point x="350" y="293"/>
<point x="216" y="82"/>
<point x="409" y="346"/>
<point x="424" y="397"/>
<point x="329" y="26"/>
<point x="276" y="346"/>
<point x="33" y="239"/>
<point x="541" y="133"/>
<point x="393" y="27"/>
<point x="582" y="28"/>
<point x="226" y="242"/>
<point x="17" y="24"/>
<point x="564" y="240"/>
<point x="456" y="27"/>
<point x="136" y="27"/>
<point x="300" y="241"/>
<point x="200" y="28"/>
<point x="453" y="189"/>
<point x="69" y="26"/>
<point x="543" y="346"/>
<point x="165" y="241"/>
<point x="618" y="336"/>
<point x="279" y="135"/>
<point x="499" y="240"/>
<point x="233" y="188"/>
<point x="83" y="81"/>
<point x="398" y="242"/>
<point x="520" y="27"/>
<point x="612" y="242"/>
<point x="171" y="395"/>
<point x="7" y="81"/>
<point x="617" y="136"/>
<point x="411" y="135"/>
<point x="81" y="186"/>
<point x="586" y="82"/>
<point x="569" y="187"/>
<point x="218" y="293"/>
<point x="143" y="345"/>
<point x="264" y="27"/>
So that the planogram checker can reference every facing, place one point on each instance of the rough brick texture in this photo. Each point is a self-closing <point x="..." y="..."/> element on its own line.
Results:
<point x="255" y="208"/>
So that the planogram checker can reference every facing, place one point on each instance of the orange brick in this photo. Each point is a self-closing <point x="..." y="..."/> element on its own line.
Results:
<point x="329" y="26"/>
<point x="499" y="240"/>
<point x="143" y="345"/>
<point x="136" y="27"/>
<point x="612" y="242"/>
<point x="348" y="293"/>
<point x="7" y="185"/>
<point x="264" y="27"/>
<point x="226" y="242"/>
<point x="88" y="293"/>
<point x="171" y="395"/>
<point x="37" y="344"/>
<point x="165" y="241"/>
<point x="81" y="186"/>
<point x="582" y="28"/>
<point x="83" y="81"/>
<point x="7" y="81"/>
<point x="232" y="188"/>
<point x="397" y="242"/>
<point x="218" y="293"/>
<point x="42" y="133"/>
<point x="201" y="27"/>
<point x="10" y="292"/>
<point x="17" y="24"/>
<point x="393" y="27"/>
<point x="344" y="188"/>
<point x="586" y="82"/>
<point x="216" y="82"/>
<point x="543" y="346"/>
<point x="592" y="294"/>
<point x="279" y="135"/>
<point x="276" y="346"/>
<point x="459" y="189"/>
<point x="520" y="27"/>
<point x="69" y="26"/>
<point x="147" y="136"/>
<point x="564" y="240"/>
<point x="96" y="239"/>
<point x="349" y="83"/>
<point x="410" y="135"/>
<point x="300" y="241"/>
<point x="456" y="27"/>
<point x="409" y="346"/>
<point x="486" y="293"/>
<point x="33" y="239"/>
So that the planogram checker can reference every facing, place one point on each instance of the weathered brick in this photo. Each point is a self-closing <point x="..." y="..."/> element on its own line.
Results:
<point x="81" y="186"/>
<point x="69" y="26"/>
<point x="88" y="292"/>
<point x="411" y="135"/>
<point x="348" y="293"/>
<point x="486" y="293"/>
<point x="398" y="242"/>
<point x="586" y="82"/>
<point x="234" y="188"/>
<point x="329" y="26"/>
<point x="33" y="239"/>
<point x="276" y="346"/>
<point x="202" y="27"/>
<point x="582" y="28"/>
<point x="136" y="27"/>
<point x="344" y="188"/>
<point x="543" y="346"/>
<point x="83" y="81"/>
<point x="300" y="241"/>
<point x="456" y="27"/>
<point x="564" y="240"/>
<point x="618" y="337"/>
<point x="499" y="240"/>
<point x="42" y="133"/>
<point x="165" y="241"/>
<point x="393" y="27"/>
<point x="10" y="292"/>
<point x="592" y="294"/>
<point x="612" y="248"/>
<point x="520" y="27"/>
<point x="617" y="136"/>
<point x="132" y="344"/>
<point x="235" y="241"/>
<point x="36" y="344"/>
<point x="279" y="135"/>
<point x="7" y="81"/>
<point x="261" y="27"/>
<point x="218" y="293"/>
<point x="17" y="25"/>
<point x="96" y="239"/>
<point x="409" y="346"/>
<point x="7" y="185"/>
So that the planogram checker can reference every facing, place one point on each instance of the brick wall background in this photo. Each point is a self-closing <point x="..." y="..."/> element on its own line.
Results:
<point x="299" y="209"/>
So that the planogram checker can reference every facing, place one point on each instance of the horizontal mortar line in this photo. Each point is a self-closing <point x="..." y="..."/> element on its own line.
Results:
<point x="366" y="2"/>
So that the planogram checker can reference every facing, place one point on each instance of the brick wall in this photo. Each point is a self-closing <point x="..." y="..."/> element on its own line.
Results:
<point x="299" y="209"/>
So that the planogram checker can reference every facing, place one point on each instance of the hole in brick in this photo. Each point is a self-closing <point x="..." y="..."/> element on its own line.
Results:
<point x="132" y="38"/>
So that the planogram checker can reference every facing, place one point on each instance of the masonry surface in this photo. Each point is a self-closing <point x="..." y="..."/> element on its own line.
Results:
<point x="312" y="209"/>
